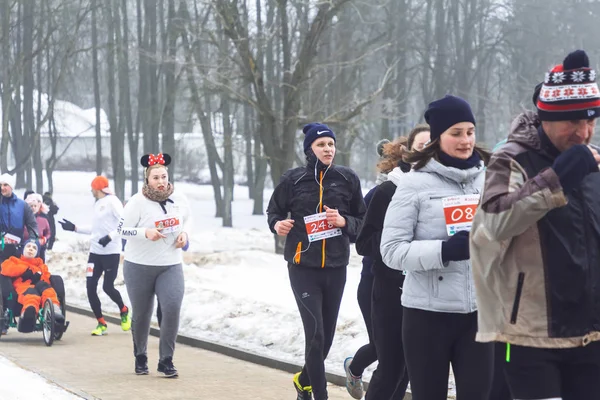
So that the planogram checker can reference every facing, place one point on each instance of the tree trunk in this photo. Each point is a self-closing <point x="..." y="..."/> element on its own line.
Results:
<point x="6" y="87"/>
<point x="125" y="101"/>
<point x="117" y="136"/>
<point x="28" y="85"/>
<point x="151" y="142"/>
<point x="37" y="153"/>
<point x="96" y="79"/>
<point x="228" y="171"/>
<point x="168" y="117"/>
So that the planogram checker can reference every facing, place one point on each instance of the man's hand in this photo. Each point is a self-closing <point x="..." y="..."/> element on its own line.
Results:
<point x="105" y="240"/>
<point x="154" y="234"/>
<point x="42" y="240"/>
<point x="334" y="218"/>
<point x="284" y="227"/>
<point x="181" y="240"/>
<point x="67" y="225"/>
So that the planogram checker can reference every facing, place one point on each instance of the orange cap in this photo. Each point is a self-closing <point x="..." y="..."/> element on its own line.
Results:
<point x="99" y="183"/>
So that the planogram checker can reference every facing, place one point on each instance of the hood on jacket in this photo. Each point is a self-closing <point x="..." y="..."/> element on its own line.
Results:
<point x="523" y="130"/>
<point x="455" y="174"/>
<point x="396" y="175"/>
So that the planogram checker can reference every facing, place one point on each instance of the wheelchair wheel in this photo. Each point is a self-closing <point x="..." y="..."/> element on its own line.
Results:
<point x="59" y="332"/>
<point x="48" y="322"/>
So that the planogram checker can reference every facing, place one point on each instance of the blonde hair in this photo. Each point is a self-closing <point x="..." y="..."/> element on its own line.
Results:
<point x="155" y="166"/>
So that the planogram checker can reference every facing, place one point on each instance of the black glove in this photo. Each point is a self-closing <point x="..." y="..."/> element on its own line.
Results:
<point x="67" y="225"/>
<point x="573" y="165"/>
<point x="456" y="248"/>
<point x="30" y="276"/>
<point x="104" y="240"/>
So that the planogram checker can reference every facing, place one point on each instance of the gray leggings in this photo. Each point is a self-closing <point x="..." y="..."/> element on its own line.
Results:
<point x="143" y="282"/>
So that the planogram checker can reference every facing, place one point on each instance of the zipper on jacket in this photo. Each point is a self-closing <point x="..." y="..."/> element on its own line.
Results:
<point x="321" y="210"/>
<point x="515" y="309"/>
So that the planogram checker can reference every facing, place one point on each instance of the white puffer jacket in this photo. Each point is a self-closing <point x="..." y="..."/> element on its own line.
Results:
<point x="414" y="230"/>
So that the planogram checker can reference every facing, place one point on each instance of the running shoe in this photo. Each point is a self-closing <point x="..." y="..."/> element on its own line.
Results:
<point x="141" y="365"/>
<point x="167" y="369"/>
<point x="100" y="330"/>
<point x="304" y="392"/>
<point x="126" y="320"/>
<point x="354" y="384"/>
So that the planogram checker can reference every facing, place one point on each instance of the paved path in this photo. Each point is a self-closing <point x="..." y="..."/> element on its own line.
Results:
<point x="102" y="368"/>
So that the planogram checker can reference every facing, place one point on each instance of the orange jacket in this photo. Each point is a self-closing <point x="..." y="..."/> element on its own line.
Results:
<point x="15" y="267"/>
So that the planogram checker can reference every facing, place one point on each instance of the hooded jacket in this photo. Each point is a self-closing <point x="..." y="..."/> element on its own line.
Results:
<point x="304" y="191"/>
<point x="414" y="230"/>
<point x="536" y="250"/>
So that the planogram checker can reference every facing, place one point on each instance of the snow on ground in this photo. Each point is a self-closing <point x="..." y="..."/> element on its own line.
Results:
<point x="237" y="288"/>
<point x="26" y="385"/>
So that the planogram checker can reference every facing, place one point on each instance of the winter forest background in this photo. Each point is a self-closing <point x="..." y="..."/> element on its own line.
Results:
<point x="226" y="85"/>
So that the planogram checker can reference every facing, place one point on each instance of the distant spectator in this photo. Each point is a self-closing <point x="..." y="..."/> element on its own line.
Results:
<point x="39" y="209"/>
<point x="52" y="211"/>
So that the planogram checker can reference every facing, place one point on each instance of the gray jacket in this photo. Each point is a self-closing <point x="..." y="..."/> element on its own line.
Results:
<point x="412" y="237"/>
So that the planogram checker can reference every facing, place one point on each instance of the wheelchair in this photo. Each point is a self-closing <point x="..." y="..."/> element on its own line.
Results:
<point x="46" y="322"/>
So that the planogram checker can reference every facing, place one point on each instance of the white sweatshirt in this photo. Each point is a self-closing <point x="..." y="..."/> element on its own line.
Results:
<point x="141" y="213"/>
<point x="107" y="214"/>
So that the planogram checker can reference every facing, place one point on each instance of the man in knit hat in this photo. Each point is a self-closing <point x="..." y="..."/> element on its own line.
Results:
<point x="105" y="252"/>
<point x="15" y="217"/>
<point x="535" y="241"/>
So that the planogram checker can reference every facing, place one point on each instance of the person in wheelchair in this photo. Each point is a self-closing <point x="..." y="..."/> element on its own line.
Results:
<point x="31" y="281"/>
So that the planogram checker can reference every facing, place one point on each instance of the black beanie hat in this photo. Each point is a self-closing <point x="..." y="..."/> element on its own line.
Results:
<point x="445" y="112"/>
<point x="569" y="91"/>
<point x="313" y="131"/>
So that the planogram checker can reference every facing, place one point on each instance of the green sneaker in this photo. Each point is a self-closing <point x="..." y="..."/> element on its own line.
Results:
<point x="126" y="320"/>
<point x="100" y="330"/>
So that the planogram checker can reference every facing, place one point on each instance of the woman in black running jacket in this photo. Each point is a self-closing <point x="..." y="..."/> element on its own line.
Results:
<point x="317" y="268"/>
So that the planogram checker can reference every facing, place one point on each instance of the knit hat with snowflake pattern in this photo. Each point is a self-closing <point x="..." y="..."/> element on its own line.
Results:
<point x="569" y="91"/>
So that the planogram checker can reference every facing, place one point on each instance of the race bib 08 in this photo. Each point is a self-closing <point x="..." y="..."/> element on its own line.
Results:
<point x="459" y="212"/>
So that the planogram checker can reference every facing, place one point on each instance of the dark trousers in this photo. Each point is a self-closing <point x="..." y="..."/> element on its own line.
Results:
<point x="390" y="379"/>
<point x="433" y="341"/>
<point x="569" y="374"/>
<point x="109" y="265"/>
<point x="367" y="354"/>
<point x="318" y="293"/>
<point x="500" y="390"/>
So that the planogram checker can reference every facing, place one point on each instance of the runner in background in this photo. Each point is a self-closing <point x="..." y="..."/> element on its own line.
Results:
<point x="440" y="312"/>
<point x="105" y="252"/>
<point x="326" y="207"/>
<point x="390" y="379"/>
<point x="155" y="223"/>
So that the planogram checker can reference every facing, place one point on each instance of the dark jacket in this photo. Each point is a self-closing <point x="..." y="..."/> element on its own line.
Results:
<point x="298" y="193"/>
<point x="15" y="217"/>
<point x="536" y="249"/>
<point x="369" y="237"/>
<point x="367" y="260"/>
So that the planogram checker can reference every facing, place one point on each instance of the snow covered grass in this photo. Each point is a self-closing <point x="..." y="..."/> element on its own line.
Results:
<point x="237" y="289"/>
<point x="26" y="385"/>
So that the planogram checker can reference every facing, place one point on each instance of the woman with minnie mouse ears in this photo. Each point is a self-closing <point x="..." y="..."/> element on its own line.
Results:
<point x="155" y="223"/>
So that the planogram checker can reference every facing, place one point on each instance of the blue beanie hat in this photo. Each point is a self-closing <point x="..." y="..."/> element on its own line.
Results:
<point x="34" y="241"/>
<point x="445" y="112"/>
<point x="314" y="131"/>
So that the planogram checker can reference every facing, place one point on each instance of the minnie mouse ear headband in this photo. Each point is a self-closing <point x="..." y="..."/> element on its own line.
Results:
<point x="149" y="160"/>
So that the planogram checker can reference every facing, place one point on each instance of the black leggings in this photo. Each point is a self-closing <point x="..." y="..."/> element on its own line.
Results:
<point x="109" y="264"/>
<point x="390" y="379"/>
<point x="318" y="293"/>
<point x="433" y="341"/>
<point x="569" y="374"/>
<point x="367" y="354"/>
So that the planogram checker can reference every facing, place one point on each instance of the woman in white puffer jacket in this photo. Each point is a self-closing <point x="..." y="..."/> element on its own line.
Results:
<point x="439" y="317"/>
